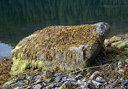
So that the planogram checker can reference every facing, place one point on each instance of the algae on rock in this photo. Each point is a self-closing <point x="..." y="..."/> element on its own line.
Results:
<point x="66" y="47"/>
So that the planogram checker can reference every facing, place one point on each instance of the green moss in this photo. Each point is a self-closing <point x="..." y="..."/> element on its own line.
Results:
<point x="84" y="63"/>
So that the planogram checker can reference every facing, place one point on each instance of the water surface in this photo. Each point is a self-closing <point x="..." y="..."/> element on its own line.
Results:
<point x="20" y="18"/>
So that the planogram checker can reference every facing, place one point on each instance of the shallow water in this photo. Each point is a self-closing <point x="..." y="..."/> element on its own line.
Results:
<point x="20" y="18"/>
<point x="5" y="50"/>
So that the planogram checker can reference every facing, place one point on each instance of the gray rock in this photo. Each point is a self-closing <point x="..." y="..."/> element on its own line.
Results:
<point x="107" y="86"/>
<point x="80" y="82"/>
<point x="111" y="67"/>
<point x="30" y="78"/>
<point x="47" y="74"/>
<point x="57" y="79"/>
<point x="18" y="84"/>
<point x="95" y="74"/>
<point x="5" y="86"/>
<point x="29" y="87"/>
<point x="79" y="76"/>
<point x="71" y="76"/>
<point x="111" y="80"/>
<point x="100" y="79"/>
<point x="64" y="79"/>
<point x="38" y="81"/>
<point x="124" y="83"/>
<point x="48" y="80"/>
<point x="53" y="85"/>
<point x="66" y="85"/>
<point x="38" y="86"/>
<point x="38" y="77"/>
<point x="120" y="64"/>
<point x="57" y="74"/>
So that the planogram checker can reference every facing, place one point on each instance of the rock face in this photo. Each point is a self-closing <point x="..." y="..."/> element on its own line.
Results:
<point x="62" y="47"/>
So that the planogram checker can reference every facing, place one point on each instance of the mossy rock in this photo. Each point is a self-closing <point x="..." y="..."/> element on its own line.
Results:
<point x="63" y="47"/>
<point x="114" y="39"/>
<point x="120" y="44"/>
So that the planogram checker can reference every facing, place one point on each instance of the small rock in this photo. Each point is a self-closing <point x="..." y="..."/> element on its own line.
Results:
<point x="75" y="70"/>
<point x="71" y="76"/>
<point x="57" y="79"/>
<point x="111" y="67"/>
<point x="124" y="83"/>
<point x="5" y="86"/>
<point x="111" y="80"/>
<point x="95" y="74"/>
<point x="37" y="86"/>
<point x="79" y="76"/>
<point x="96" y="84"/>
<point x="120" y="64"/>
<point x="38" y="81"/>
<point x="107" y="86"/>
<point x="48" y="80"/>
<point x="53" y="85"/>
<point x="47" y="74"/>
<point x="100" y="79"/>
<point x="64" y="79"/>
<point x="67" y="85"/>
<point x="44" y="84"/>
<point x="30" y="78"/>
<point x="29" y="87"/>
<point x="57" y="74"/>
<point x="79" y="82"/>
<point x="21" y="76"/>
<point x="18" y="84"/>
<point x="19" y="88"/>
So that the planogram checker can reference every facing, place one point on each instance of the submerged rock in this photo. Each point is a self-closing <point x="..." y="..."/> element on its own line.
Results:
<point x="62" y="47"/>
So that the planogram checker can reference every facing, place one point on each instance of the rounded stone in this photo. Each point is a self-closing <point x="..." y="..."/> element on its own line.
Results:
<point x="63" y="47"/>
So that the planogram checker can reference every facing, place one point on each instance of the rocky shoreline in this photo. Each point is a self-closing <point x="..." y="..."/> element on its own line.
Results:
<point x="108" y="71"/>
<point x="108" y="76"/>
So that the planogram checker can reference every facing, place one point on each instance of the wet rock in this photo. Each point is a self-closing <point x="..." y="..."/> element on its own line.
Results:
<point x="65" y="47"/>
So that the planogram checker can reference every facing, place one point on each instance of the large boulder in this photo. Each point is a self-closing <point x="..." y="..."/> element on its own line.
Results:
<point x="63" y="47"/>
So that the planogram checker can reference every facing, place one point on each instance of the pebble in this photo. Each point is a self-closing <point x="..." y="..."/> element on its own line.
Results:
<point x="77" y="80"/>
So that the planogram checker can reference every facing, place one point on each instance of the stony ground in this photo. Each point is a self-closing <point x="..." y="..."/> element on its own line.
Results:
<point x="110" y="71"/>
<point x="110" y="75"/>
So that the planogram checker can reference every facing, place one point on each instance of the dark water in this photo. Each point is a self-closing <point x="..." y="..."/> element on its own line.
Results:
<point x="20" y="18"/>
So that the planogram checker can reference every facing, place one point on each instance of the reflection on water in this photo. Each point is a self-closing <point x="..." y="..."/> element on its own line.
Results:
<point x="20" y="18"/>
<point x="5" y="50"/>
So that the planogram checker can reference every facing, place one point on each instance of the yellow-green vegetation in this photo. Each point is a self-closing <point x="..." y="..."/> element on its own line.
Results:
<point x="5" y="67"/>
<point x="56" y="46"/>
<point x="120" y="44"/>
